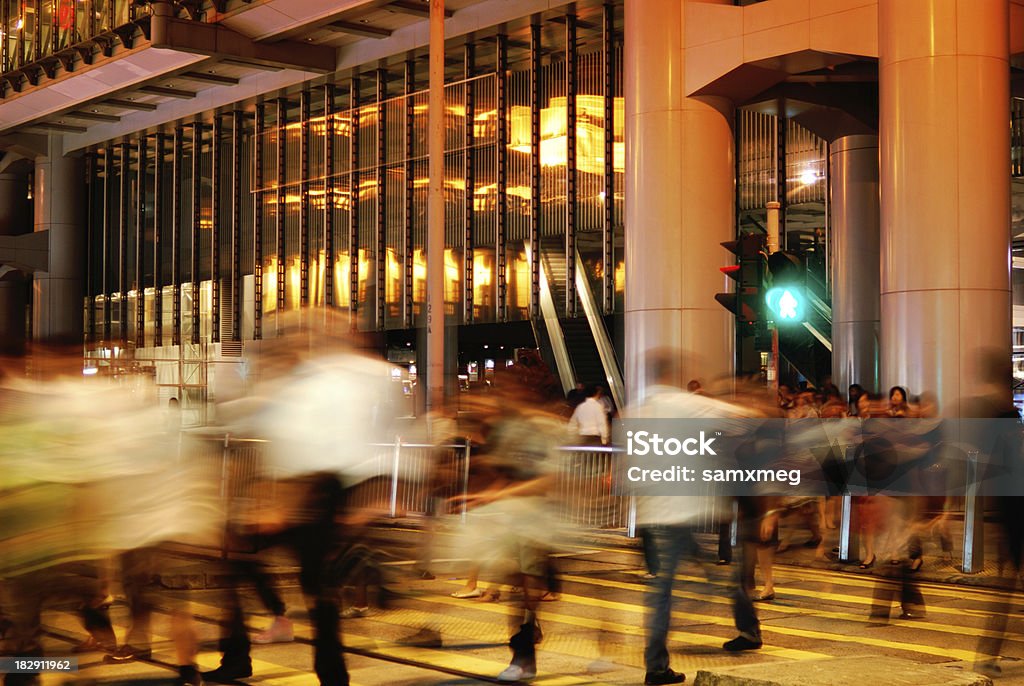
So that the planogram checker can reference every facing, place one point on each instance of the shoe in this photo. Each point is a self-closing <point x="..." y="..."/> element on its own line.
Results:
<point x="91" y="645"/>
<point x="741" y="642"/>
<point x="229" y="674"/>
<point x="868" y="564"/>
<point x="188" y="675"/>
<point x="475" y="593"/>
<point x="913" y="614"/>
<point x="648" y="576"/>
<point x="722" y="562"/>
<point x="127" y="653"/>
<point x="281" y="631"/>
<point x="426" y="576"/>
<point x="514" y="673"/>
<point x="355" y="612"/>
<point x="988" y="668"/>
<point x="424" y="638"/>
<point x="916" y="564"/>
<point x="764" y="597"/>
<point x="666" y="676"/>
<point x="550" y="597"/>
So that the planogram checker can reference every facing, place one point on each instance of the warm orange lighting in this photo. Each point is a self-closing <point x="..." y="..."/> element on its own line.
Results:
<point x="270" y="285"/>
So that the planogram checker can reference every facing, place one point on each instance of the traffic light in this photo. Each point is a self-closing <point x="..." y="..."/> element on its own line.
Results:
<point x="746" y="301"/>
<point x="786" y="298"/>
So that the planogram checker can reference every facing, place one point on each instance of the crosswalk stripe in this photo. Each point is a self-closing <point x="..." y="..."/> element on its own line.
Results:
<point x="627" y="629"/>
<point x="853" y="599"/>
<point x="461" y="662"/>
<point x="803" y="633"/>
<point x="802" y="572"/>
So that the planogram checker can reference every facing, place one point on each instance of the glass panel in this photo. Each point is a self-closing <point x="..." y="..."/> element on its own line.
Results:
<point x="394" y="223"/>
<point x="120" y="12"/>
<point x="292" y="290"/>
<point x="367" y="217"/>
<point x="27" y="26"/>
<point x="342" y="262"/>
<point x="46" y="32"/>
<point x="82" y="14"/>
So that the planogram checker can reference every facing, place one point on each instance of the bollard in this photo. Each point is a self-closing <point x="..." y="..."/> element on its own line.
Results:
<point x="849" y="541"/>
<point x="734" y="527"/>
<point x="974" y="520"/>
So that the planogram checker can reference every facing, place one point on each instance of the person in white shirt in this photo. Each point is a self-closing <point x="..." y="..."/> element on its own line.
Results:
<point x="590" y="420"/>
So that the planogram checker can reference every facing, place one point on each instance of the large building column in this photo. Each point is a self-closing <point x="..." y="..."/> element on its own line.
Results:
<point x="680" y="204"/>
<point x="853" y="162"/>
<point x="945" y="167"/>
<point x="59" y="196"/>
<point x="13" y="290"/>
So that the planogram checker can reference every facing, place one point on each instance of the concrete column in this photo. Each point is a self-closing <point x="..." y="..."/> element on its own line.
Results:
<point x="14" y="220"/>
<point x="945" y="196"/>
<point x="853" y="162"/>
<point x="59" y="197"/>
<point x="680" y="203"/>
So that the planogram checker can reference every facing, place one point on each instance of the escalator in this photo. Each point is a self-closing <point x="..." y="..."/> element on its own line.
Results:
<point x="580" y="347"/>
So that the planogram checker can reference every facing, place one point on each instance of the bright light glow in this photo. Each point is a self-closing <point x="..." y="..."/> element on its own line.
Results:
<point x="808" y="177"/>
<point x="787" y="306"/>
<point x="90" y="371"/>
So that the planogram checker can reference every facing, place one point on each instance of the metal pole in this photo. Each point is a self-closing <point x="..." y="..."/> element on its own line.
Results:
<point x="465" y="480"/>
<point x="178" y="161"/>
<point x="974" y="551"/>
<point x="140" y="244"/>
<point x="849" y="542"/>
<point x="396" y="458"/>
<point x="216" y="161"/>
<point x="259" y="200"/>
<point x="122" y="279"/>
<point x="158" y="239"/>
<point x="773" y="247"/>
<point x="197" y="193"/>
<point x="435" y="212"/>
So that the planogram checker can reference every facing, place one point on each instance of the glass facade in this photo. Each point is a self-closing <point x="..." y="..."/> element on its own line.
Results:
<point x="207" y="231"/>
<point x="35" y="29"/>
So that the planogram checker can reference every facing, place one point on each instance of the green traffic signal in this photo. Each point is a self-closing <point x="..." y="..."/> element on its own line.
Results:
<point x="788" y="304"/>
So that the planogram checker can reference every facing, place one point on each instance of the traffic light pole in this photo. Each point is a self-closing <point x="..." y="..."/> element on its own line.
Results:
<point x="773" y="247"/>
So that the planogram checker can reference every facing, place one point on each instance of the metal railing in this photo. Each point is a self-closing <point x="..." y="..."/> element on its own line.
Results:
<point x="420" y="479"/>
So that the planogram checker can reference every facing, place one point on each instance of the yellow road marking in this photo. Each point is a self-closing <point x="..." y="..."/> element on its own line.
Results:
<point x="626" y="629"/>
<point x="966" y="655"/>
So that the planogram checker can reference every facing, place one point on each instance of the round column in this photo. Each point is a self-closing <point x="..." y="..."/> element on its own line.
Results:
<point x="57" y="295"/>
<point x="680" y="204"/>
<point x="945" y="197"/>
<point x="853" y="164"/>
<point x="14" y="220"/>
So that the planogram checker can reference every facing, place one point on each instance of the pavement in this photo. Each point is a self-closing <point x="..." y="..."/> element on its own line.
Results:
<point x="817" y="631"/>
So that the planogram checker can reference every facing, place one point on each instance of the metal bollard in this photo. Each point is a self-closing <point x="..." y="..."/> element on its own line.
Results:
<point x="734" y="526"/>
<point x="849" y="526"/>
<point x="974" y="520"/>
